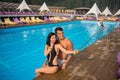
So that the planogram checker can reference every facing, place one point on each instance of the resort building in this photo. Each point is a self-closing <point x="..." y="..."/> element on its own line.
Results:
<point x="81" y="10"/>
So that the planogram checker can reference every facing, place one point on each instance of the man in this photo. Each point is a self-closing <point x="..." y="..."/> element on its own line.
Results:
<point x="63" y="58"/>
<point x="100" y="23"/>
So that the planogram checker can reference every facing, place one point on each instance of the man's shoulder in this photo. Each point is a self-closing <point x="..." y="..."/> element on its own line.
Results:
<point x="68" y="41"/>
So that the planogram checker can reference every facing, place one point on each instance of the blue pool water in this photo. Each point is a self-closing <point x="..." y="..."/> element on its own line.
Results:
<point x="21" y="49"/>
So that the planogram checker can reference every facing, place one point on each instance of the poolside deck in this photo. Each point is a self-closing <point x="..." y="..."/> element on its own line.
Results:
<point x="97" y="62"/>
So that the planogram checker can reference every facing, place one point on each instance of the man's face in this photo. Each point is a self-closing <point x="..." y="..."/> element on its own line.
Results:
<point x="60" y="35"/>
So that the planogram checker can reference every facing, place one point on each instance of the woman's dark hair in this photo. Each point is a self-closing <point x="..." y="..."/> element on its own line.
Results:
<point x="48" y="38"/>
<point x="58" y="29"/>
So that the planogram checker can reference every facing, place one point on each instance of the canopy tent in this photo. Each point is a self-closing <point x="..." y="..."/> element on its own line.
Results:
<point x="94" y="10"/>
<point x="23" y="6"/>
<point x="117" y="13"/>
<point x="44" y="7"/>
<point x="106" y="12"/>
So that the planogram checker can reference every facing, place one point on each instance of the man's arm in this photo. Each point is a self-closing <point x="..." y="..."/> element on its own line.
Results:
<point x="69" y="47"/>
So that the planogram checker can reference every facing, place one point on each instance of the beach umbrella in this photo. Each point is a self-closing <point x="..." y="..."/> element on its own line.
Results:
<point x="94" y="10"/>
<point x="117" y="13"/>
<point x="23" y="6"/>
<point x="44" y="7"/>
<point x="106" y="12"/>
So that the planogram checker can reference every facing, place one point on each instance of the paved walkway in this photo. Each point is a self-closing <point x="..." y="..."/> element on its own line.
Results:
<point x="97" y="62"/>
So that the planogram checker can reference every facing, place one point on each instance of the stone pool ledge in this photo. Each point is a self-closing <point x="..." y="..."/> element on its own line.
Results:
<point x="97" y="62"/>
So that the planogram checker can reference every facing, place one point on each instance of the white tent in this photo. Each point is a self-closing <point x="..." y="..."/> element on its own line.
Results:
<point x="94" y="10"/>
<point x="117" y="13"/>
<point x="23" y="6"/>
<point x="44" y="7"/>
<point x="106" y="12"/>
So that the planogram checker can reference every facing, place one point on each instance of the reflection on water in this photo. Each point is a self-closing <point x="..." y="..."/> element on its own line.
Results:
<point x="25" y="34"/>
<point x="44" y="31"/>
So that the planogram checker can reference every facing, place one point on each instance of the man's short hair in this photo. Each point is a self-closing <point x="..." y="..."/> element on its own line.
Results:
<point x="58" y="29"/>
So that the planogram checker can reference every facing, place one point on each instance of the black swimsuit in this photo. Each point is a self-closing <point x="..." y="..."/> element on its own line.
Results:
<point x="53" y="54"/>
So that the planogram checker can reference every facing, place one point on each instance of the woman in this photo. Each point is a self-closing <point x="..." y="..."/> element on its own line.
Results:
<point x="51" y="51"/>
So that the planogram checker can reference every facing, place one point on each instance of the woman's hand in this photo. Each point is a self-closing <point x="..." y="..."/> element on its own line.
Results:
<point x="51" y="45"/>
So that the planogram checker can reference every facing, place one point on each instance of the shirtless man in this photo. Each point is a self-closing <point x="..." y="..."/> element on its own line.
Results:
<point x="63" y="58"/>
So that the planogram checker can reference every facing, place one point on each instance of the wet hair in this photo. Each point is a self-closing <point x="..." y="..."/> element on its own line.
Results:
<point x="48" y="38"/>
<point x="58" y="29"/>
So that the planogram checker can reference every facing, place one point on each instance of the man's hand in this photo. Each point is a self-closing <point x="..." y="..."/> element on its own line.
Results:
<point x="76" y="52"/>
<point x="64" y="66"/>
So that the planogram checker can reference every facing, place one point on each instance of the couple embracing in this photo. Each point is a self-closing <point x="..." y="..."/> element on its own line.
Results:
<point x="58" y="50"/>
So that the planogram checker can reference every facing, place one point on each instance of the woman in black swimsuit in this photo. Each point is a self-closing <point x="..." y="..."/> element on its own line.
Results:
<point x="51" y="51"/>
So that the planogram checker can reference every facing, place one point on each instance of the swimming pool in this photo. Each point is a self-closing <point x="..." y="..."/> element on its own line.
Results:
<point x="21" y="49"/>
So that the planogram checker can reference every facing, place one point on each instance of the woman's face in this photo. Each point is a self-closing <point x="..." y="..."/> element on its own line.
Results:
<point x="53" y="39"/>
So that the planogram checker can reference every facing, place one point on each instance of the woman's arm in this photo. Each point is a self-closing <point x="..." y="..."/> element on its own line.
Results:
<point x="44" y="64"/>
<point x="47" y="50"/>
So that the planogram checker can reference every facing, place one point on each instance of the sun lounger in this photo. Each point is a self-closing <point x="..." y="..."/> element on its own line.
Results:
<point x="47" y="20"/>
<point x="1" y="23"/>
<point x="39" y="20"/>
<point x="112" y="18"/>
<point x="101" y="18"/>
<point x="28" y="20"/>
<point x="65" y="18"/>
<point x="7" y="21"/>
<point x="51" y="19"/>
<point x="118" y="19"/>
<point x="80" y="18"/>
<point x="18" y="21"/>
<point x="58" y="19"/>
<point x="90" y="18"/>
<point x="33" y="20"/>
<point x="22" y="19"/>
